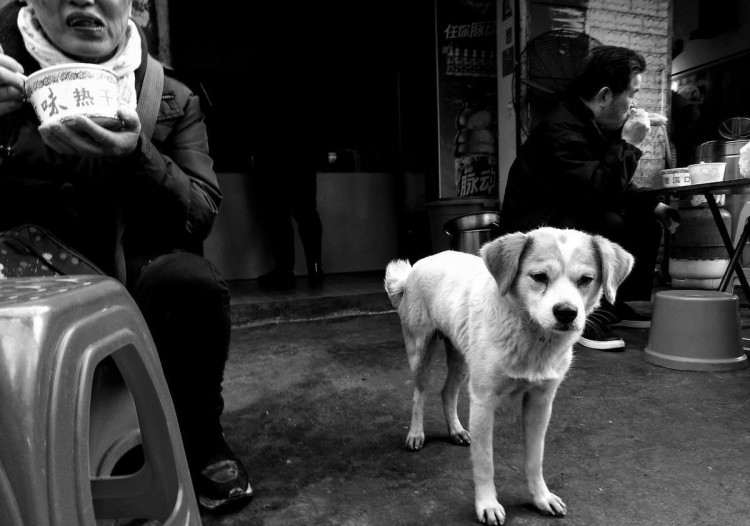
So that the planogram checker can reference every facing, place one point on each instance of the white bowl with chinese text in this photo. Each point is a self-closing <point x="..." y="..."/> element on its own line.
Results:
<point x="60" y="93"/>
<point x="674" y="177"/>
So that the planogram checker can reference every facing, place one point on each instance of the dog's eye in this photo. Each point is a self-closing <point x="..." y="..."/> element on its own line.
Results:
<point x="540" y="277"/>
<point x="585" y="280"/>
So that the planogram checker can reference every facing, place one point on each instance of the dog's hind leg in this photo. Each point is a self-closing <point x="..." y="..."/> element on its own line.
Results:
<point x="537" y="408"/>
<point x="458" y="372"/>
<point x="419" y="349"/>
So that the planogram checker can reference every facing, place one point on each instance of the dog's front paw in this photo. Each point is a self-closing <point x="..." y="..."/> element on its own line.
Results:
<point x="414" y="441"/>
<point x="550" y="504"/>
<point x="461" y="437"/>
<point x="490" y="511"/>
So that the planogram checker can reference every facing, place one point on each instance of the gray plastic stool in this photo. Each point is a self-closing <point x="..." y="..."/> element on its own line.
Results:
<point x="64" y="421"/>
<point x="696" y="330"/>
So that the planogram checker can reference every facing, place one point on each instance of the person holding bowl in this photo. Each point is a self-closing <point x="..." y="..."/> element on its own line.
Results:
<point x="139" y="205"/>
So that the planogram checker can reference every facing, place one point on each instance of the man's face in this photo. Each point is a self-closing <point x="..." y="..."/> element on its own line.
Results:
<point x="616" y="107"/>
<point x="87" y="30"/>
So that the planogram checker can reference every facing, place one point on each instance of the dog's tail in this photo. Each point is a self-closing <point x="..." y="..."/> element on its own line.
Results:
<point x="395" y="280"/>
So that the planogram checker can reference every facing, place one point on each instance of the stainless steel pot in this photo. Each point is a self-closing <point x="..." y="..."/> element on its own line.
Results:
<point x="722" y="152"/>
<point x="469" y="232"/>
<point x="728" y="152"/>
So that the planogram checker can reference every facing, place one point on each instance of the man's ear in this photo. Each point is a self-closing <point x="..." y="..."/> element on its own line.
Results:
<point x="603" y="96"/>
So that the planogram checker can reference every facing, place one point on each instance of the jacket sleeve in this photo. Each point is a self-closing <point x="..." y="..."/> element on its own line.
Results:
<point x="170" y="184"/>
<point x="589" y="168"/>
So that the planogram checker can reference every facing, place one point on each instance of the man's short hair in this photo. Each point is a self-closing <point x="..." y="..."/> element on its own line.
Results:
<point x="607" y="66"/>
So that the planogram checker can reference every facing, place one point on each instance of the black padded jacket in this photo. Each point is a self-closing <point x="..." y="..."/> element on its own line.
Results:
<point x="163" y="196"/>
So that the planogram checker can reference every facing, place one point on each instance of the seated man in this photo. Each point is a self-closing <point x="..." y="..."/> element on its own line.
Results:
<point x="575" y="171"/>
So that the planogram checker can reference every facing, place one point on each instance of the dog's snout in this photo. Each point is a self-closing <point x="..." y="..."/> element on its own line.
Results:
<point x="565" y="312"/>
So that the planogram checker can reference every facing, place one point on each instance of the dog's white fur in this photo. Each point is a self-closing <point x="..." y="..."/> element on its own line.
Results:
<point x="509" y="320"/>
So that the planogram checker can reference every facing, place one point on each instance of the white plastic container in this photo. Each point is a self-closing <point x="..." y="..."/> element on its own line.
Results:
<point x="706" y="172"/>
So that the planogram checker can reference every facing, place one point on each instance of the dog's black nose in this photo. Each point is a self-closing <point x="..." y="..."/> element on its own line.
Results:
<point x="565" y="312"/>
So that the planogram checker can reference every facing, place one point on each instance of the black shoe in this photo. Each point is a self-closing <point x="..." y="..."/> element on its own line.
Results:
<point x="597" y="335"/>
<point x="315" y="275"/>
<point x="628" y="317"/>
<point x="222" y="485"/>
<point x="277" y="280"/>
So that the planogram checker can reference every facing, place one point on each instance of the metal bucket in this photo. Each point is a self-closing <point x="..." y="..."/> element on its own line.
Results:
<point x="445" y="209"/>
<point x="469" y="232"/>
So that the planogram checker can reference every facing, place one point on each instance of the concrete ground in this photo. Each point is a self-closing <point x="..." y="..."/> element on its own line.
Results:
<point x="318" y="410"/>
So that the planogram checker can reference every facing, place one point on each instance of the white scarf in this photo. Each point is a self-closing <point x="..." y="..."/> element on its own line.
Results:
<point x="124" y="63"/>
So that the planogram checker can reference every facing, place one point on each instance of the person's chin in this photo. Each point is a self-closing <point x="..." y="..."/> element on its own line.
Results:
<point x="612" y="124"/>
<point x="92" y="52"/>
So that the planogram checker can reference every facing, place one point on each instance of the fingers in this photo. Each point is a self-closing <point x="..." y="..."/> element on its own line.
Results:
<point x="654" y="119"/>
<point x="638" y="117"/>
<point x="635" y="131"/>
<point x="10" y="63"/>
<point x="11" y="85"/>
<point x="11" y="73"/>
<point x="129" y="118"/>
<point x="636" y="113"/>
<point x="657" y="120"/>
<point x="83" y="137"/>
<point x="81" y="126"/>
<point x="10" y="79"/>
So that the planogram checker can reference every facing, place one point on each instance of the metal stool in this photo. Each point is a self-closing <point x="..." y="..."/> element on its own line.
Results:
<point x="696" y="330"/>
<point x="67" y="414"/>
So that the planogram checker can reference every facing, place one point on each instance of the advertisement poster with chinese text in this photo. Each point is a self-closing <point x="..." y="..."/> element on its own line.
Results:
<point x="467" y="97"/>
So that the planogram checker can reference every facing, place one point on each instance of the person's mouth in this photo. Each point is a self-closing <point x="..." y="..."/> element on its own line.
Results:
<point x="85" y="22"/>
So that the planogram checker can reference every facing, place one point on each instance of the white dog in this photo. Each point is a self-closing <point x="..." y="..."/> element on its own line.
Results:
<point x="509" y="321"/>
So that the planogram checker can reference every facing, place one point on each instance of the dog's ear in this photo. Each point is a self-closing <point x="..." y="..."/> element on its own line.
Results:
<point x="502" y="257"/>
<point x="616" y="265"/>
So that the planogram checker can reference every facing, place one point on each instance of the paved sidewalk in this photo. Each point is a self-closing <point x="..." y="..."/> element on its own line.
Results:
<point x="319" y="410"/>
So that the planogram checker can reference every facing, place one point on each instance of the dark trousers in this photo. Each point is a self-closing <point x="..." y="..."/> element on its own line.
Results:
<point x="295" y="198"/>
<point x="638" y="232"/>
<point x="186" y="306"/>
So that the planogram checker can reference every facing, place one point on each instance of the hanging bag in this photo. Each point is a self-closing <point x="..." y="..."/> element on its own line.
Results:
<point x="30" y="250"/>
